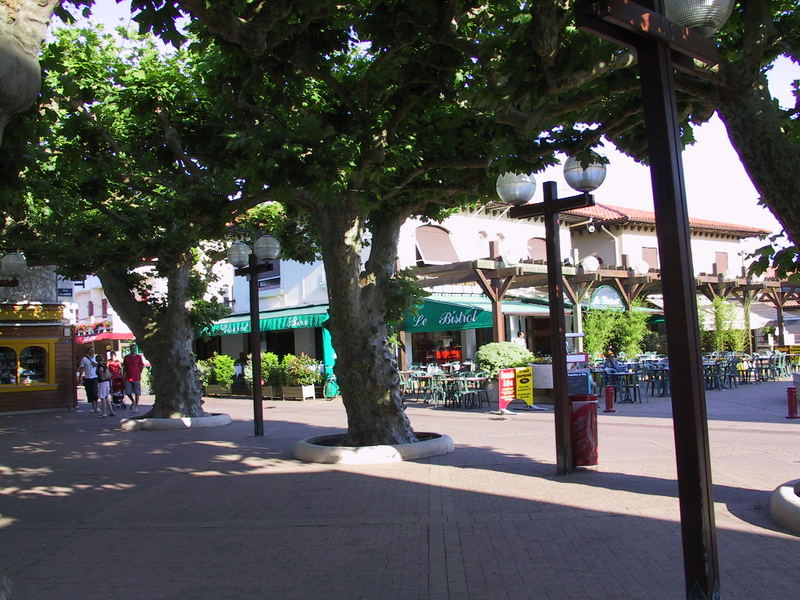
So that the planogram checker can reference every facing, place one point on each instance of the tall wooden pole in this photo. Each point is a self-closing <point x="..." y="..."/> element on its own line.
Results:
<point x="701" y="564"/>
<point x="564" y="458"/>
<point x="255" y="347"/>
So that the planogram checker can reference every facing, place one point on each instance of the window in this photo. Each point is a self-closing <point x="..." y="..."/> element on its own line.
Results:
<point x="8" y="365"/>
<point x="650" y="256"/>
<point x="90" y="308"/>
<point x="33" y="365"/>
<point x="537" y="249"/>
<point x="27" y="364"/>
<point x="104" y="307"/>
<point x="271" y="276"/>
<point x="434" y="246"/>
<point x="720" y="262"/>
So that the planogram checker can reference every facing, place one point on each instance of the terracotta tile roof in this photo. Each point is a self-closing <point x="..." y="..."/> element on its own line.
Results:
<point x="605" y="213"/>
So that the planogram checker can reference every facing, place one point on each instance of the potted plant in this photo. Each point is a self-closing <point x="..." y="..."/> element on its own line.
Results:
<point x="501" y="355"/>
<point x="271" y="375"/>
<point x="216" y="374"/>
<point x="300" y="374"/>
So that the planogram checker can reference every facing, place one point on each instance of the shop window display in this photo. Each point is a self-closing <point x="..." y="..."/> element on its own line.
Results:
<point x="25" y="363"/>
<point x="436" y="347"/>
<point x="8" y="365"/>
<point x="33" y="365"/>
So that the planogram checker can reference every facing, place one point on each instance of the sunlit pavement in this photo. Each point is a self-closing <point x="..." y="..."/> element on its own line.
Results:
<point x="88" y="511"/>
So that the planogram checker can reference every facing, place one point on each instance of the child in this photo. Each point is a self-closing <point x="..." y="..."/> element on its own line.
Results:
<point x="104" y="387"/>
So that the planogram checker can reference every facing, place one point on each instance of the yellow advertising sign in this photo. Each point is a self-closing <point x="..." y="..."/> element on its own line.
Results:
<point x="524" y="381"/>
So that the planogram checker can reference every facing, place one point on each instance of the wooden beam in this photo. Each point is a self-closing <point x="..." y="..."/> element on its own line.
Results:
<point x="626" y="23"/>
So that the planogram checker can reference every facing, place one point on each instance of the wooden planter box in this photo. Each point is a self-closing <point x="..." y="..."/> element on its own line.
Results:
<point x="214" y="389"/>
<point x="298" y="392"/>
<point x="271" y="391"/>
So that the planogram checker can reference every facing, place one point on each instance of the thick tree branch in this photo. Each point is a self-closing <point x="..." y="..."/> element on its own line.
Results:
<point x="174" y="142"/>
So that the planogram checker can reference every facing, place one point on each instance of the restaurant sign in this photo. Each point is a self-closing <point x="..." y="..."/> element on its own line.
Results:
<point x="435" y="315"/>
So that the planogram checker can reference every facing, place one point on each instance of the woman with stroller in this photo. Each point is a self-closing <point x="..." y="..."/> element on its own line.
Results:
<point x="117" y="387"/>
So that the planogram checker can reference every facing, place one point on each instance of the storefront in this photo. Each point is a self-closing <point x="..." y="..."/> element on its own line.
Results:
<point x="449" y="328"/>
<point x="37" y="360"/>
<point x="283" y="331"/>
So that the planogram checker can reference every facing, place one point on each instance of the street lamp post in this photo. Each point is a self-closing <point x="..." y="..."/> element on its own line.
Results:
<point x="655" y="38"/>
<point x="518" y="189"/>
<point x="251" y="263"/>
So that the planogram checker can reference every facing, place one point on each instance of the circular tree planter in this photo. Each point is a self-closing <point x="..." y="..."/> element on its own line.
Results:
<point x="784" y="506"/>
<point x="215" y="420"/>
<point x="324" y="449"/>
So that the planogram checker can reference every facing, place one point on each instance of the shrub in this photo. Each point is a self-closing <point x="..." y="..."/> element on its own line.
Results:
<point x="204" y="371"/>
<point x="146" y="380"/>
<point x="502" y="355"/>
<point x="216" y="370"/>
<point x="632" y="329"/>
<point x="300" y="370"/>
<point x="599" y="327"/>
<point x="271" y="371"/>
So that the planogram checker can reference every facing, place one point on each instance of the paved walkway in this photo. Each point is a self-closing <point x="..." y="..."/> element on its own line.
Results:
<point x="90" y="512"/>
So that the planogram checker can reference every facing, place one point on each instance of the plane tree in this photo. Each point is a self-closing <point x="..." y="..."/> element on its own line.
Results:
<point x="114" y="181"/>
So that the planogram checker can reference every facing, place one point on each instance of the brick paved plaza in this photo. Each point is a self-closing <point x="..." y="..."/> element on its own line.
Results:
<point x="90" y="512"/>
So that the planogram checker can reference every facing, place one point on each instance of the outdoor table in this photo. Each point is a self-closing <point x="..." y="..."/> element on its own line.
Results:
<point x="465" y="391"/>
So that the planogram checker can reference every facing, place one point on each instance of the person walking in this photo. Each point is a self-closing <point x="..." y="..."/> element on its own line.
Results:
<point x="88" y="374"/>
<point x="104" y="387"/>
<point x="132" y="366"/>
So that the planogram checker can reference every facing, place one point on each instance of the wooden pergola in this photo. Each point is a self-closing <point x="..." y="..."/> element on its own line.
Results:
<point x="496" y="279"/>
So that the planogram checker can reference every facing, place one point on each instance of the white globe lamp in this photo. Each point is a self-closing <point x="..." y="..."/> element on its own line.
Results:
<point x="590" y="264"/>
<point x="515" y="188"/>
<point x="13" y="265"/>
<point x="267" y="248"/>
<point x="705" y="17"/>
<point x="584" y="179"/>
<point x="238" y="254"/>
<point x="642" y="267"/>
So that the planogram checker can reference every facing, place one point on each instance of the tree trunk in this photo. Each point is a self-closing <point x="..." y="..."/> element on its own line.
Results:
<point x="366" y="369"/>
<point x="23" y="25"/>
<point x="164" y="332"/>
<point x="767" y="153"/>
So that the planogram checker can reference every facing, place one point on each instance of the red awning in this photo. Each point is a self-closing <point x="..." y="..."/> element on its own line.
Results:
<point x="107" y="335"/>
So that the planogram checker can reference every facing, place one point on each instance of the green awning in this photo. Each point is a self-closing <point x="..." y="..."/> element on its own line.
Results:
<point x="453" y="313"/>
<point x="273" y="320"/>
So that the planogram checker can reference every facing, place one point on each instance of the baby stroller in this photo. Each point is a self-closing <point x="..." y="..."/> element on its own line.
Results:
<point x="117" y="394"/>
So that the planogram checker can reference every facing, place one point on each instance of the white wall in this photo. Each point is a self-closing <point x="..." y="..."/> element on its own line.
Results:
<point x="471" y="233"/>
<point x="632" y="240"/>
<point x="301" y="285"/>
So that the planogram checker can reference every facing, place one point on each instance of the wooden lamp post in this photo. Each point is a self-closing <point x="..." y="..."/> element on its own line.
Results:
<point x="657" y="32"/>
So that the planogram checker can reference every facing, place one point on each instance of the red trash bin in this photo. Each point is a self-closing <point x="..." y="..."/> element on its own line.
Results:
<point x="584" y="429"/>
